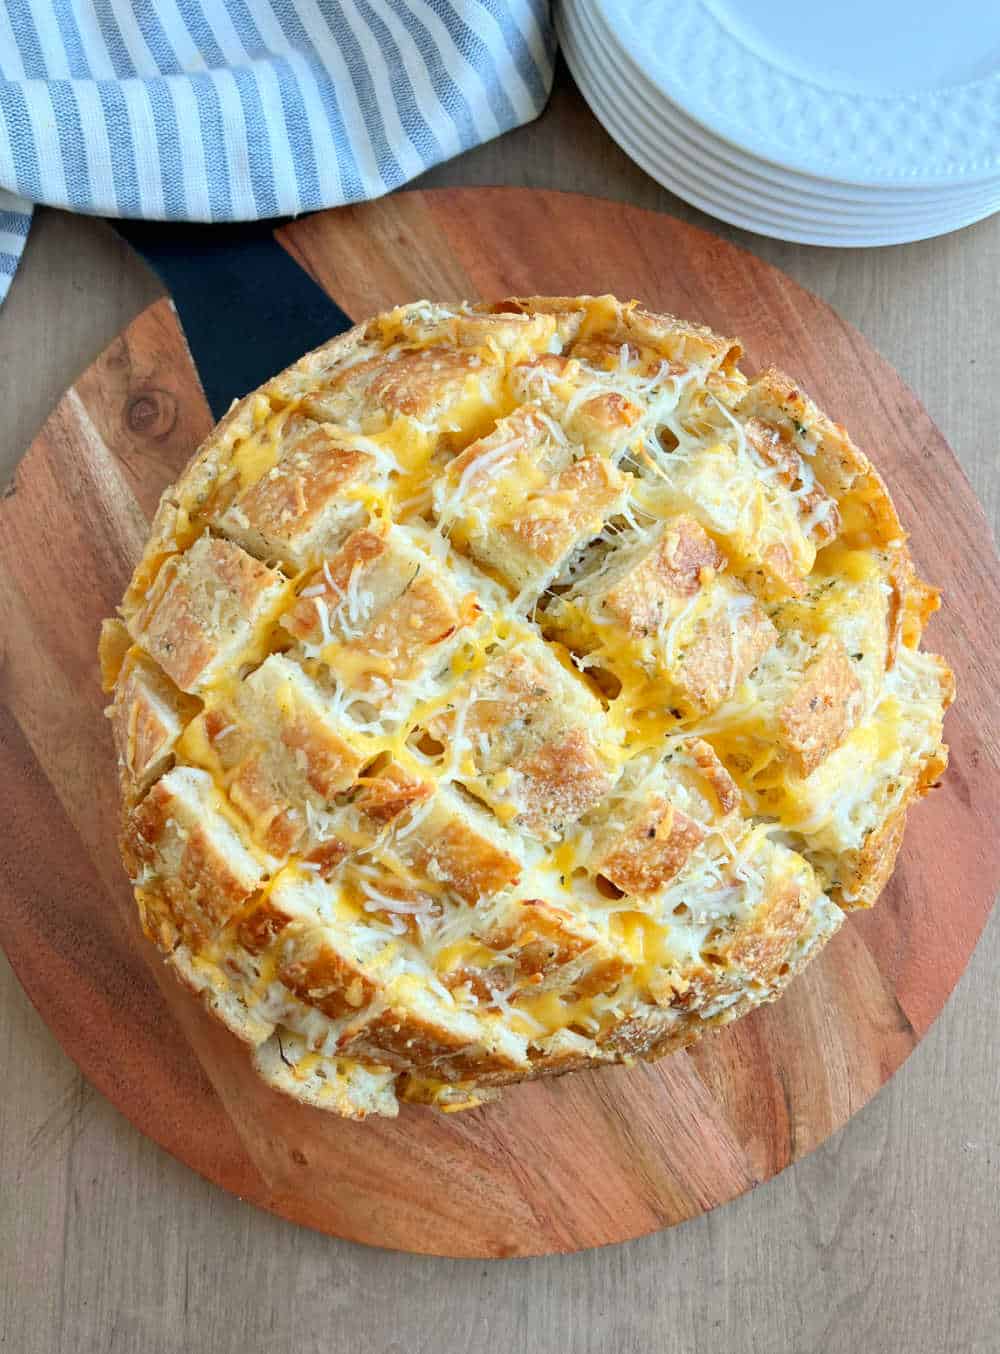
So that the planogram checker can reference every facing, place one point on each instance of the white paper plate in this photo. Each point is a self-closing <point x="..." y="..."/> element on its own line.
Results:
<point x="737" y="195"/>
<point x="871" y="92"/>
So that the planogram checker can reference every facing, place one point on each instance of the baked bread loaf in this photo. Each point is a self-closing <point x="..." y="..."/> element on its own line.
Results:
<point x="509" y="689"/>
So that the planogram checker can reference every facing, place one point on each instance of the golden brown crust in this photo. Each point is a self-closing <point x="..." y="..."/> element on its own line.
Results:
<point x="298" y="506"/>
<point x="655" y="849"/>
<point x="204" y="610"/>
<point x="667" y="606"/>
<point x="823" y="710"/>
<point x="409" y="615"/>
<point x="324" y="975"/>
<point x="562" y="779"/>
<point x="202" y="872"/>
<point x="148" y="715"/>
<point x="720" y="653"/>
<point x="449" y="845"/>
<point x="841" y="468"/>
<point x="683" y="560"/>
<point x="724" y="794"/>
<point x="531" y="499"/>
<point x="408" y="1036"/>
<point x="865" y="873"/>
<point x="532" y="944"/>
<point x="606" y="323"/>
<point x="468" y="669"/>
<point x="581" y="497"/>
<point x="114" y="643"/>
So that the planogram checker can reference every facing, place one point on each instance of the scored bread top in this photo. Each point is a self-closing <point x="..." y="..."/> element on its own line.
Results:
<point x="510" y="689"/>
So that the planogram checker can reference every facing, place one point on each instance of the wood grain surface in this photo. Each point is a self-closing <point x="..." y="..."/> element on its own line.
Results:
<point x="557" y="1165"/>
<point x="884" y="1238"/>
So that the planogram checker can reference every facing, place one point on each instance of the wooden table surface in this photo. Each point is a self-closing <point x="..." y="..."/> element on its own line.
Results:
<point x="884" y="1240"/>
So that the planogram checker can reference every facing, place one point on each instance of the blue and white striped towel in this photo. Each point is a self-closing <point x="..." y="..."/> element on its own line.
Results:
<point x="230" y="110"/>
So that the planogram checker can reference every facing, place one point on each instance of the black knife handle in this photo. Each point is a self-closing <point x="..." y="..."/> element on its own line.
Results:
<point x="246" y="307"/>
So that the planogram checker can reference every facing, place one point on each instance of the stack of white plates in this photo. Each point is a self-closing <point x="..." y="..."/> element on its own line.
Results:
<point x="860" y="122"/>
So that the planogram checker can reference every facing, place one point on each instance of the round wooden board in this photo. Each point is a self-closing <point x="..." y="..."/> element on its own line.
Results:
<point x="555" y="1166"/>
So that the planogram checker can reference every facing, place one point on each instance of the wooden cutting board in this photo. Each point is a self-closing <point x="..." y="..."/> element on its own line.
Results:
<point x="555" y="1166"/>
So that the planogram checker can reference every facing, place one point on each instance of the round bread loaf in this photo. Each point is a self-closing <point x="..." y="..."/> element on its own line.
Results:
<point x="508" y="689"/>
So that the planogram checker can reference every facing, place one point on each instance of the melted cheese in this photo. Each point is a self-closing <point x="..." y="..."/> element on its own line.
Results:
<point x="405" y="926"/>
<point x="645" y="941"/>
<point x="257" y="454"/>
<point x="544" y="1015"/>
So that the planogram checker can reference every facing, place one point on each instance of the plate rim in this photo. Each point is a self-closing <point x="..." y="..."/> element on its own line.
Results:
<point x="774" y="226"/>
<point x="712" y="40"/>
<point x="587" y="18"/>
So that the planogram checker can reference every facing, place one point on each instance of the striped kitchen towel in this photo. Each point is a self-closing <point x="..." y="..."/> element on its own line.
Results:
<point x="231" y="110"/>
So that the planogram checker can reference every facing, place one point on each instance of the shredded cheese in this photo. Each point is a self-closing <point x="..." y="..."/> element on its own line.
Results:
<point x="436" y="806"/>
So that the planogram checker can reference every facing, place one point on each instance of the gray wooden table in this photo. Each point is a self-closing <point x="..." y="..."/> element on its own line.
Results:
<point x="885" y="1240"/>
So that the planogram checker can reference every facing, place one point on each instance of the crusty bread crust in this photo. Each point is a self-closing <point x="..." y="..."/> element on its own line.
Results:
<point x="511" y="688"/>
